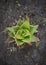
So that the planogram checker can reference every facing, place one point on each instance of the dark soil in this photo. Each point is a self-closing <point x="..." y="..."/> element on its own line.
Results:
<point x="12" y="10"/>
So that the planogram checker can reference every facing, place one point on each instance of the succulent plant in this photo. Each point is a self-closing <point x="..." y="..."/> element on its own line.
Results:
<point x="23" y="32"/>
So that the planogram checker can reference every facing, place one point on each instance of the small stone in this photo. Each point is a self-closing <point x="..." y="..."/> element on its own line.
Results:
<point x="20" y="16"/>
<point x="16" y="1"/>
<point x="26" y="56"/>
<point x="13" y="23"/>
<point x="11" y="50"/>
<point x="10" y="10"/>
<point x="9" y="17"/>
<point x="28" y="53"/>
<point x="43" y="24"/>
<point x="37" y="64"/>
<point x="19" y="5"/>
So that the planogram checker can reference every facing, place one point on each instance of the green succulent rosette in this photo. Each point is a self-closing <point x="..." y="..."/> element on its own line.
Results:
<point x="22" y="32"/>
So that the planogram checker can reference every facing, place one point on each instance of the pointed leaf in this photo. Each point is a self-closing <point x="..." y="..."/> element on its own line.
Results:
<point x="26" y="39"/>
<point x="19" y="42"/>
<point x="20" y="22"/>
<point x="25" y="32"/>
<point x="18" y="35"/>
<point x="25" y="25"/>
<point x="15" y="28"/>
<point x="11" y="30"/>
<point x="33" y="29"/>
<point x="32" y="38"/>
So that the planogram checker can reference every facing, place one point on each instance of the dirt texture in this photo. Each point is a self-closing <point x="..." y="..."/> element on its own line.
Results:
<point x="10" y="12"/>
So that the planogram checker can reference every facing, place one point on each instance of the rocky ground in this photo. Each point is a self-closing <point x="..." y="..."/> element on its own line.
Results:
<point x="10" y="12"/>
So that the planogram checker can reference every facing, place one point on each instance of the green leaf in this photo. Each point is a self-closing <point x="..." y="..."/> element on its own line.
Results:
<point x="11" y="35"/>
<point x="25" y="25"/>
<point x="26" y="39"/>
<point x="23" y="32"/>
<point x="18" y="34"/>
<point x="19" y="42"/>
<point x="20" y="22"/>
<point x="32" y="38"/>
<point x="29" y="39"/>
<point x="33" y="29"/>
<point x="27" y="33"/>
<point x="11" y="30"/>
<point x="16" y="28"/>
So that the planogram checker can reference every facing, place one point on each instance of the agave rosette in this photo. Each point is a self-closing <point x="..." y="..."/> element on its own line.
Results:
<point x="22" y="32"/>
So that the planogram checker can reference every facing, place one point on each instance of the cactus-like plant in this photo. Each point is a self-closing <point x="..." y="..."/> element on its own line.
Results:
<point x="22" y="32"/>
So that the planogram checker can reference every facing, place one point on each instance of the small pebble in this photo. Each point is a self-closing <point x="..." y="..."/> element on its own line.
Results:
<point x="43" y="24"/>
<point x="16" y="1"/>
<point x="9" y="17"/>
<point x="12" y="49"/>
<point x="28" y="53"/>
<point x="37" y="64"/>
<point x="10" y="10"/>
<point x="26" y="56"/>
<point x="20" y="16"/>
<point x="19" y="5"/>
